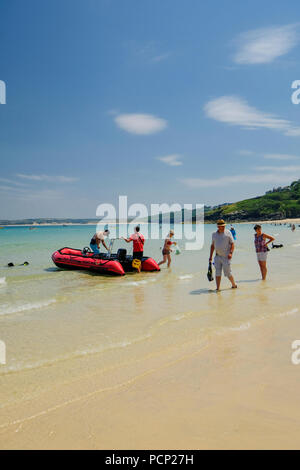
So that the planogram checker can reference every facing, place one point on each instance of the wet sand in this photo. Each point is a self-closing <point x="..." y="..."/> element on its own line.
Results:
<point x="238" y="391"/>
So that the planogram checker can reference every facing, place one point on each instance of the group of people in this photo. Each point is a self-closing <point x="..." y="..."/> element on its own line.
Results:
<point x="222" y="244"/>
<point x="138" y="241"/>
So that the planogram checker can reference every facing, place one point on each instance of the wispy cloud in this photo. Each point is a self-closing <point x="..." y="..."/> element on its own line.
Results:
<point x="49" y="178"/>
<point x="141" y="124"/>
<point x="286" y="169"/>
<point x="264" y="45"/>
<point x="13" y="182"/>
<point x="236" y="111"/>
<point x="161" y="57"/>
<point x="268" y="156"/>
<point x="171" y="160"/>
<point x="272" y="178"/>
<point x="149" y="52"/>
<point x="280" y="156"/>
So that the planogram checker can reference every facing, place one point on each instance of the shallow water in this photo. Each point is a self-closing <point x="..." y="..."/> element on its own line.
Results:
<point x="50" y="317"/>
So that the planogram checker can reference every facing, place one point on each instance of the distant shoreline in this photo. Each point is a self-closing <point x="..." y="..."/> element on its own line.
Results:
<point x="70" y="224"/>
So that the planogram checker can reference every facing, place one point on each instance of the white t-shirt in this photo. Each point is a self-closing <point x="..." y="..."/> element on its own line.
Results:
<point x="222" y="242"/>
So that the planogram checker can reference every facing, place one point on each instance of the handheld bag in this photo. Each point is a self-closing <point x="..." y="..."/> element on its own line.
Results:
<point x="210" y="276"/>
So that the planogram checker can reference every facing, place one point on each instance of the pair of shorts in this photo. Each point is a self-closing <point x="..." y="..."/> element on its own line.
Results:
<point x="262" y="255"/>
<point x="137" y="255"/>
<point x="222" y="262"/>
<point x="94" y="248"/>
<point x="166" y="252"/>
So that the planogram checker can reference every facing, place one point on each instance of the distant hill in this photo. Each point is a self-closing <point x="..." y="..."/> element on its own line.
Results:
<point x="278" y="203"/>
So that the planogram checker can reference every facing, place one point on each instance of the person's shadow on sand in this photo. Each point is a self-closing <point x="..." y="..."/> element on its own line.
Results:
<point x="202" y="291"/>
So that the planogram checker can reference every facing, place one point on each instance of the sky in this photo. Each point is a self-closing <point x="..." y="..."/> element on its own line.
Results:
<point x="162" y="101"/>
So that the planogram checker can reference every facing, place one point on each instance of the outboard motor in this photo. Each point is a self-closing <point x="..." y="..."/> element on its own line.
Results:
<point x="121" y="254"/>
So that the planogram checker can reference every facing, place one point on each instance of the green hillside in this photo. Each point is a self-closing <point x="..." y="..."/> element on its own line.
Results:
<point x="278" y="203"/>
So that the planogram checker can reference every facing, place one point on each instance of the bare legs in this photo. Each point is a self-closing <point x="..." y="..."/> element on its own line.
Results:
<point x="231" y="279"/>
<point x="166" y="257"/>
<point x="263" y="269"/>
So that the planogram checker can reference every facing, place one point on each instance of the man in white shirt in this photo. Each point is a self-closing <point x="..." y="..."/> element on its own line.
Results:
<point x="97" y="239"/>
<point x="222" y="242"/>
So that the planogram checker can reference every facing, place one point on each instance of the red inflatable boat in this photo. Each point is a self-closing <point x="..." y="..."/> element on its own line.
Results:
<point x="115" y="263"/>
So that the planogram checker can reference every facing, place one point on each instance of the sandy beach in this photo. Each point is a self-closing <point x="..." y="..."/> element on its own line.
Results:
<point x="228" y="394"/>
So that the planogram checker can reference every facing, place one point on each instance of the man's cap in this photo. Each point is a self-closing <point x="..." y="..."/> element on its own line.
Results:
<point x="221" y="223"/>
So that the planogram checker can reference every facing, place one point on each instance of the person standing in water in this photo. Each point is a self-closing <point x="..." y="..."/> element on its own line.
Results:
<point x="97" y="239"/>
<point x="222" y="242"/>
<point x="261" y="248"/>
<point x="138" y="245"/>
<point x="233" y="232"/>
<point x="166" y="252"/>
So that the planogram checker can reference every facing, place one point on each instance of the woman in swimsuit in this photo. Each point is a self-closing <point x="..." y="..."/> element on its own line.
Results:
<point x="261" y="241"/>
<point x="166" y="252"/>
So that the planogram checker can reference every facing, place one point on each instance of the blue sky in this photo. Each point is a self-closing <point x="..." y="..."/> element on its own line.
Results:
<point x="162" y="101"/>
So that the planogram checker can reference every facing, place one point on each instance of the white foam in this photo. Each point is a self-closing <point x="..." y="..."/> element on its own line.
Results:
<point x="289" y="312"/>
<point x="139" y="283"/>
<point x="185" y="276"/>
<point x="296" y="245"/>
<point x="7" y="309"/>
<point x="3" y="282"/>
<point x="242" y="327"/>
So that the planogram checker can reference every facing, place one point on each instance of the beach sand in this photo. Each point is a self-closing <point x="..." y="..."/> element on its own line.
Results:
<point x="239" y="391"/>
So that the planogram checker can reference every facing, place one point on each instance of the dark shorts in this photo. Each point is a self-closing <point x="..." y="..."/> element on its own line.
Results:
<point x="137" y="254"/>
<point x="94" y="248"/>
<point x="166" y="252"/>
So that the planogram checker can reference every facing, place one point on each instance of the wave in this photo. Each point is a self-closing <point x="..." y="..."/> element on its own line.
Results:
<point x="3" y="281"/>
<point x="185" y="276"/>
<point x="76" y="354"/>
<point x="7" y="309"/>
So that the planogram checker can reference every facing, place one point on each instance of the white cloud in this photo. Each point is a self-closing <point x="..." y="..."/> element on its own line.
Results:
<point x="280" y="156"/>
<point x="141" y="124"/>
<point x="172" y="160"/>
<point x="236" y="111"/>
<point x="60" y="179"/>
<point x="262" y="46"/>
